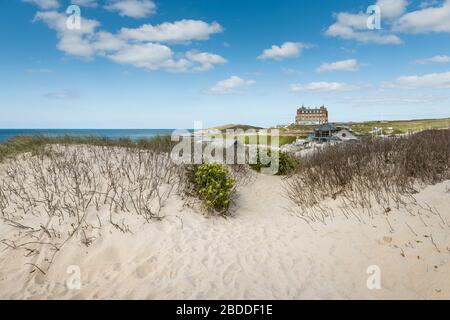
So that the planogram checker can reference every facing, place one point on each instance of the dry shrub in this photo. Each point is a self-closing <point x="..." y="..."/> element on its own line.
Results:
<point x="60" y="192"/>
<point x="53" y="190"/>
<point x="384" y="171"/>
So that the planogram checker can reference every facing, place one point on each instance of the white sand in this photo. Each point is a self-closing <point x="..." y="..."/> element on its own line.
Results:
<point x="263" y="252"/>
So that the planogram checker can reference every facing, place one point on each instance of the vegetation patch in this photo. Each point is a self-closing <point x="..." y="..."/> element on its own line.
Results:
<point x="286" y="163"/>
<point x="23" y="144"/>
<point x="214" y="186"/>
<point x="385" y="171"/>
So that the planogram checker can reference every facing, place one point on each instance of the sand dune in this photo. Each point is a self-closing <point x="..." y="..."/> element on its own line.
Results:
<point x="262" y="252"/>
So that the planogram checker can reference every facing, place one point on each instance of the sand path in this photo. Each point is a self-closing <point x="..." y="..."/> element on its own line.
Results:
<point x="263" y="252"/>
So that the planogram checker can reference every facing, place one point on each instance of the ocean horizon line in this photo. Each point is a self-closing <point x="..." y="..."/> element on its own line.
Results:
<point x="134" y="134"/>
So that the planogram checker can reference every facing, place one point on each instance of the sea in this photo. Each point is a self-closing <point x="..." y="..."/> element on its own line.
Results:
<point x="133" y="134"/>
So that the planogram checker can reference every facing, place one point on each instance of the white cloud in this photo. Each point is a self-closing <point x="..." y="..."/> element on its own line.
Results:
<point x="392" y="9"/>
<point x="76" y="45"/>
<point x="154" y="56"/>
<point x="150" y="55"/>
<point x="105" y="41"/>
<point x="430" y="19"/>
<point x="74" y="42"/>
<point x="287" y="50"/>
<point x="205" y="59"/>
<point x="354" y="27"/>
<point x="132" y="8"/>
<point x="431" y="81"/>
<point x="435" y="59"/>
<point x="58" y="21"/>
<point x="44" y="4"/>
<point x="321" y="86"/>
<point x="344" y="65"/>
<point x="178" y="31"/>
<point x="230" y="85"/>
<point x="88" y="43"/>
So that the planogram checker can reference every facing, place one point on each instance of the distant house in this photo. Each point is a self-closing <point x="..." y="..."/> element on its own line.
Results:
<point x="345" y="135"/>
<point x="311" y="116"/>
<point x="327" y="132"/>
<point x="324" y="132"/>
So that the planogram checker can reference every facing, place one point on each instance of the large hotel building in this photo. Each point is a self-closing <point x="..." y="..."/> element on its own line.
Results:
<point x="311" y="116"/>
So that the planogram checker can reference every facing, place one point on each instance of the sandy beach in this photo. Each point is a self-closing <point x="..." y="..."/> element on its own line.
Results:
<point x="263" y="251"/>
<point x="224" y="150"/>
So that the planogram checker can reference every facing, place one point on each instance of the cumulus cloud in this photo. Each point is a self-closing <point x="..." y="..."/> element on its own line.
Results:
<point x="74" y="42"/>
<point x="230" y="85"/>
<point x="392" y="9"/>
<point x="354" y="27"/>
<point x="321" y="86"/>
<point x="429" y="17"/>
<point x="344" y="65"/>
<point x="206" y="60"/>
<point x="104" y="41"/>
<point x="287" y="50"/>
<point x="435" y="59"/>
<point x="44" y="4"/>
<point x="149" y="55"/>
<point x="178" y="31"/>
<point x="430" y="81"/>
<point x="154" y="56"/>
<point x="58" y="22"/>
<point x="426" y="20"/>
<point x="132" y="8"/>
<point x="88" y="43"/>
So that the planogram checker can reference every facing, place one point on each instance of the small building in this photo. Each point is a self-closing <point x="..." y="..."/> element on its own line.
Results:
<point x="324" y="132"/>
<point x="311" y="116"/>
<point x="345" y="135"/>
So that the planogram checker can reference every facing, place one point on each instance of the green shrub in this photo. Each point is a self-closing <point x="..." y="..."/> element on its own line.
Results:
<point x="286" y="165"/>
<point x="214" y="186"/>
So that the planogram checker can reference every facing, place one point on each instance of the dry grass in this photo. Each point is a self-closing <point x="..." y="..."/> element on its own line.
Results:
<point x="21" y="144"/>
<point x="387" y="172"/>
<point x="56" y="190"/>
<point x="60" y="192"/>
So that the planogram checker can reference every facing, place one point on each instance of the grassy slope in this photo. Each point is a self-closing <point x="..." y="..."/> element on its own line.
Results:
<point x="364" y="128"/>
<point x="284" y="139"/>
<point x="35" y="144"/>
<point x="234" y="127"/>
<point x="401" y="126"/>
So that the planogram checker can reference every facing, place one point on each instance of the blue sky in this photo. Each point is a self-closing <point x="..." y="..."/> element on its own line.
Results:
<point x="166" y="64"/>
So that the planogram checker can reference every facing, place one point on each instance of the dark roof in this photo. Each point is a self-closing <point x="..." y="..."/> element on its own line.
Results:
<point x="319" y="109"/>
<point x="326" y="127"/>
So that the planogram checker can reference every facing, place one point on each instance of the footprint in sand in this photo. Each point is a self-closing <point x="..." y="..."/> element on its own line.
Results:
<point x="144" y="269"/>
<point x="387" y="240"/>
<point x="39" y="278"/>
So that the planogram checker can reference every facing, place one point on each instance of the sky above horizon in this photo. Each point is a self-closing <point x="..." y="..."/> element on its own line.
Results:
<point x="166" y="64"/>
